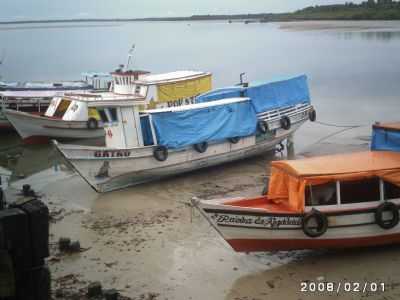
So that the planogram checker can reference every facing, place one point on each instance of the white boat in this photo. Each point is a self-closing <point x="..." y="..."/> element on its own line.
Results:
<point x="146" y="146"/>
<point x="73" y="116"/>
<point x="335" y="201"/>
<point x="36" y="100"/>
<point x="5" y="176"/>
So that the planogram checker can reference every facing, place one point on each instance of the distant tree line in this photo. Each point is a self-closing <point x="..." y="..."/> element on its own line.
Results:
<point x="367" y="10"/>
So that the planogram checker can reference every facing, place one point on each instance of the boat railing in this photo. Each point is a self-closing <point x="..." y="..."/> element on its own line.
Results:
<point x="277" y="114"/>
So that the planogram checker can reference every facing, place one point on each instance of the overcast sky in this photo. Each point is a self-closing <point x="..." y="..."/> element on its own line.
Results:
<point x="55" y="9"/>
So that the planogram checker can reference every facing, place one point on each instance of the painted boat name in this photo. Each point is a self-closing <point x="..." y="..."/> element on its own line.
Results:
<point x="269" y="222"/>
<point x="112" y="153"/>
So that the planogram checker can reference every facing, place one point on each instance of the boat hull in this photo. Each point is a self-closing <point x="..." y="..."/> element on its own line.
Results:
<point x="33" y="128"/>
<point x="127" y="167"/>
<point x="257" y="230"/>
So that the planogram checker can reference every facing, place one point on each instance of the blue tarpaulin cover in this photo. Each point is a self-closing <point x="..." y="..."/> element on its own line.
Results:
<point x="146" y="130"/>
<point x="267" y="95"/>
<point x="193" y="126"/>
<point x="385" y="138"/>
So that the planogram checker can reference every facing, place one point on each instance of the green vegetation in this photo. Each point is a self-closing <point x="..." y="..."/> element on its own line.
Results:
<point x="368" y="10"/>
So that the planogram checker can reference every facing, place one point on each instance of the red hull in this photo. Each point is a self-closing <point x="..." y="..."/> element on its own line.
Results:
<point x="249" y="245"/>
<point x="33" y="140"/>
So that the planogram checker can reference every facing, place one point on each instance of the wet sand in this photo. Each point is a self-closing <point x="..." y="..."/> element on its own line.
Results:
<point x="148" y="243"/>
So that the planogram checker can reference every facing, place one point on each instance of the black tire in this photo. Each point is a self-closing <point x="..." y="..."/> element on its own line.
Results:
<point x="262" y="126"/>
<point x="92" y="123"/>
<point x="160" y="153"/>
<point x="234" y="140"/>
<point x="201" y="147"/>
<point x="312" y="115"/>
<point x="285" y="122"/>
<point x="319" y="218"/>
<point x="387" y="207"/>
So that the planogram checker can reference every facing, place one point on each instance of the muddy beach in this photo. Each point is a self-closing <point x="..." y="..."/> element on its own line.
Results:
<point x="147" y="242"/>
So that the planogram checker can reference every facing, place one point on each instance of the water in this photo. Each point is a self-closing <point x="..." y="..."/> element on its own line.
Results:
<point x="354" y="80"/>
<point x="354" y="74"/>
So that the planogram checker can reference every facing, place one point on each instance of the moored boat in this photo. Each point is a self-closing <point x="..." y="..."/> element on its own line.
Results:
<point x="74" y="117"/>
<point x="335" y="201"/>
<point x="35" y="98"/>
<point x="223" y="125"/>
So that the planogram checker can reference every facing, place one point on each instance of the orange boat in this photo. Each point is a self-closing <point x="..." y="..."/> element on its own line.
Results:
<point x="336" y="201"/>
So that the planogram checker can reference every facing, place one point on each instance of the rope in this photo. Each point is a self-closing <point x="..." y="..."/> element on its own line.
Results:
<point x="345" y="128"/>
<point x="339" y="126"/>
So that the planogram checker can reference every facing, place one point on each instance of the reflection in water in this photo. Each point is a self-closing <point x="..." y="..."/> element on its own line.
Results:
<point x="382" y="36"/>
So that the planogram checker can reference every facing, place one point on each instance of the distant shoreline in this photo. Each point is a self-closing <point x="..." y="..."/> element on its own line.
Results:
<point x="366" y="11"/>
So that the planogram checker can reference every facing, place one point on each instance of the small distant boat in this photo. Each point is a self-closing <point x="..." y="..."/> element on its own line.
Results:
<point x="45" y="86"/>
<point x="336" y="201"/>
<point x="222" y="125"/>
<point x="74" y="115"/>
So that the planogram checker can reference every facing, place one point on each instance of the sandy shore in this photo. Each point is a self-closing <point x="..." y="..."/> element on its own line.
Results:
<point x="341" y="25"/>
<point x="148" y="243"/>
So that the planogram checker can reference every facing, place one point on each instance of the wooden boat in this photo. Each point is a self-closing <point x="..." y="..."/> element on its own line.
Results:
<point x="37" y="99"/>
<point x="74" y="117"/>
<point x="224" y="125"/>
<point x="45" y="86"/>
<point x="336" y="201"/>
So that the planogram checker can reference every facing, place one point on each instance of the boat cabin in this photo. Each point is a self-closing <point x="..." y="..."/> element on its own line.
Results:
<point x="164" y="89"/>
<point x="73" y="107"/>
<point x="336" y="181"/>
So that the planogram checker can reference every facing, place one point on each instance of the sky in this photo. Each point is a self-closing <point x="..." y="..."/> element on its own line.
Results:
<point x="58" y="9"/>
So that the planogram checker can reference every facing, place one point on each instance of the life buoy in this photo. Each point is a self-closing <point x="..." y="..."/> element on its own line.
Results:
<point x="312" y="115"/>
<point x="262" y="126"/>
<point x="160" y="153"/>
<point x="314" y="223"/>
<point x="387" y="207"/>
<point x="201" y="147"/>
<point x="285" y="122"/>
<point x="234" y="140"/>
<point x="92" y="123"/>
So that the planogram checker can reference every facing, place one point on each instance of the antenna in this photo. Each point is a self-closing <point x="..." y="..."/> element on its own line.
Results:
<point x="241" y="77"/>
<point x="130" y="55"/>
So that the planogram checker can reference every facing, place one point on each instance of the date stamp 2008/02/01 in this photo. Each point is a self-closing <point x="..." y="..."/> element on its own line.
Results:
<point x="342" y="287"/>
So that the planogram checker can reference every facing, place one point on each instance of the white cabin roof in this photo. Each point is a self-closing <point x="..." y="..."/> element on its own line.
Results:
<point x="98" y="99"/>
<point x="171" y="77"/>
<point x="198" y="105"/>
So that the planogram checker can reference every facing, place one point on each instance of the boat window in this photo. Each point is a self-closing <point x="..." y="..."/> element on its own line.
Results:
<point x="113" y="114"/>
<point x="322" y="194"/>
<point x="103" y="115"/>
<point x="137" y="89"/>
<point x="365" y="190"/>
<point x="392" y="191"/>
<point x="61" y="108"/>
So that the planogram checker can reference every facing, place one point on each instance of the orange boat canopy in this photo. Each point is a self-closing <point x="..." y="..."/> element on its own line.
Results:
<point x="391" y="126"/>
<point x="289" y="178"/>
